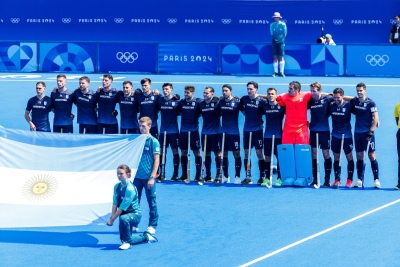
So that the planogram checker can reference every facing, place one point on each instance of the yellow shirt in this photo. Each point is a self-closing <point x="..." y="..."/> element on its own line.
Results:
<point x="396" y="113"/>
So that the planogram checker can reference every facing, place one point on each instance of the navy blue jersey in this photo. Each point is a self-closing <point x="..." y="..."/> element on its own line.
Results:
<point x="169" y="114"/>
<point x="253" y="112"/>
<point x="106" y="105"/>
<point x="86" y="105"/>
<point x="273" y="120"/>
<point x="62" y="105"/>
<point x="190" y="113"/>
<point x="230" y="115"/>
<point x="364" y="112"/>
<point x="147" y="105"/>
<point x="40" y="109"/>
<point x="319" y="113"/>
<point x="211" y="117"/>
<point x="341" y="117"/>
<point x="128" y="111"/>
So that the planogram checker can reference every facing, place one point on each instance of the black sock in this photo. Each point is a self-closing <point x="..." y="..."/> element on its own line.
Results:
<point x="261" y="167"/>
<point x="225" y="165"/>
<point x="176" y="164"/>
<point x="375" y="169"/>
<point x="238" y="166"/>
<point x="218" y="165"/>
<point x="197" y="160"/>
<point x="337" y="170"/>
<point x="207" y="162"/>
<point x="314" y="169"/>
<point x="328" y="168"/>
<point x="268" y="169"/>
<point x="360" y="164"/>
<point x="184" y="164"/>
<point x="350" y="169"/>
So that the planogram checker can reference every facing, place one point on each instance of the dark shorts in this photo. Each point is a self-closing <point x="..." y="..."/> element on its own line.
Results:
<point x="107" y="128"/>
<point x="194" y="140"/>
<point x="361" y="142"/>
<point x="324" y="139"/>
<point x="278" y="49"/>
<point x="129" y="131"/>
<point x="171" y="139"/>
<point x="213" y="142"/>
<point x="65" y="128"/>
<point x="232" y="142"/>
<point x="268" y="146"/>
<point x="87" y="128"/>
<point x="347" y="145"/>
<point x="256" y="139"/>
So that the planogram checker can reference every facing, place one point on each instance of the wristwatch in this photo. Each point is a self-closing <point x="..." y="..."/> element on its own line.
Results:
<point x="152" y="177"/>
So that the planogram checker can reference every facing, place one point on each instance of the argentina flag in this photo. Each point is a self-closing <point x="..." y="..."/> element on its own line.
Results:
<point x="54" y="179"/>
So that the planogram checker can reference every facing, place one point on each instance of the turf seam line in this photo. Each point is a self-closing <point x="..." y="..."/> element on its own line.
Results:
<point x="319" y="233"/>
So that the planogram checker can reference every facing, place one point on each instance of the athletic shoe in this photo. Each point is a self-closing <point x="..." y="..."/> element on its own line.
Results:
<point x="174" y="178"/>
<point x="278" y="182"/>
<point x="358" y="184"/>
<point x="336" y="183"/>
<point x="135" y="229"/>
<point x="377" y="183"/>
<point x="237" y="180"/>
<point x="208" y="179"/>
<point x="150" y="237"/>
<point x="197" y="178"/>
<point x="397" y="187"/>
<point x="226" y="180"/>
<point x="246" y="181"/>
<point x="349" y="183"/>
<point x="260" y="180"/>
<point x="218" y="181"/>
<point x="181" y="179"/>
<point x="266" y="182"/>
<point x="326" y="183"/>
<point x="282" y="74"/>
<point x="313" y="183"/>
<point x="151" y="230"/>
<point x="275" y="74"/>
<point x="125" y="246"/>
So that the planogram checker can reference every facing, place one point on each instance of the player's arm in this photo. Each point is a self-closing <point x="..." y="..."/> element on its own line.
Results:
<point x="156" y="158"/>
<point x="375" y="121"/>
<point x="28" y="119"/>
<point x="114" y="214"/>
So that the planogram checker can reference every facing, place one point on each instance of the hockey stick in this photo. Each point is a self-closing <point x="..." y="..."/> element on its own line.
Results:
<point x="187" y="180"/>
<point x="162" y="169"/>
<point x="272" y="160"/>
<point x="218" y="180"/>
<point x="203" y="163"/>
<point x="248" y="171"/>
<point x="104" y="130"/>
<point x="365" y="163"/>
<point x="318" y="172"/>
<point x="84" y="130"/>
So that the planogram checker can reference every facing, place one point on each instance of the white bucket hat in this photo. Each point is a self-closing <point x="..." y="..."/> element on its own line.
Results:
<point x="277" y="15"/>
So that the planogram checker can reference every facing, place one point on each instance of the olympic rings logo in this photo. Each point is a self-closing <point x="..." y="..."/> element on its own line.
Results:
<point x="226" y="21"/>
<point x="118" y="20"/>
<point x="392" y="21"/>
<point x="14" y="20"/>
<point x="127" y="57"/>
<point x="66" y="20"/>
<point x="377" y="60"/>
<point x="172" y="20"/>
<point x="337" y="21"/>
<point x="284" y="20"/>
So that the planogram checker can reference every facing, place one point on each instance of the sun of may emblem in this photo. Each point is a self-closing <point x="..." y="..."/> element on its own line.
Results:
<point x="39" y="187"/>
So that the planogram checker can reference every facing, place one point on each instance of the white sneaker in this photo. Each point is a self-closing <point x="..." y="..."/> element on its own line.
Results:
<point x="359" y="183"/>
<point x="135" y="229"/>
<point x="150" y="238"/>
<point x="151" y="230"/>
<point x="226" y="180"/>
<point x="237" y="180"/>
<point x="377" y="183"/>
<point x="125" y="246"/>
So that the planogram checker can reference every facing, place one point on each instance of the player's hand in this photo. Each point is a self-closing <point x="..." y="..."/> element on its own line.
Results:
<point x="177" y="96"/>
<point x="215" y="98"/>
<point x="156" y="92"/>
<point x="72" y="116"/>
<point x="114" y="113"/>
<point x="100" y="88"/>
<point x="370" y="135"/>
<point x="32" y="126"/>
<point x="150" y="183"/>
<point x="137" y="91"/>
<point x="55" y="89"/>
<point x="110" y="222"/>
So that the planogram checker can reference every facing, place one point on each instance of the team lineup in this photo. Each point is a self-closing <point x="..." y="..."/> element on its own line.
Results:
<point x="220" y="130"/>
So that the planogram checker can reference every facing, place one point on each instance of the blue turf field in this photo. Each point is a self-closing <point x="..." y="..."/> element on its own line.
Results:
<point x="230" y="225"/>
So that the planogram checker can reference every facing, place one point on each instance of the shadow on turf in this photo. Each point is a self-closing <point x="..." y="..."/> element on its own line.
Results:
<point x="72" y="239"/>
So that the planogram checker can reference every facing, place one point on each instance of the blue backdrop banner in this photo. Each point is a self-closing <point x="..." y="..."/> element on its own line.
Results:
<point x="188" y="58"/>
<point x="327" y="60"/>
<point x="124" y="57"/>
<point x="18" y="56"/>
<point x="67" y="57"/>
<point x="373" y="60"/>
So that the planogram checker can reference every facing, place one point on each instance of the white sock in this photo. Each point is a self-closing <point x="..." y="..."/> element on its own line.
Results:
<point x="276" y="67"/>
<point x="282" y="66"/>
